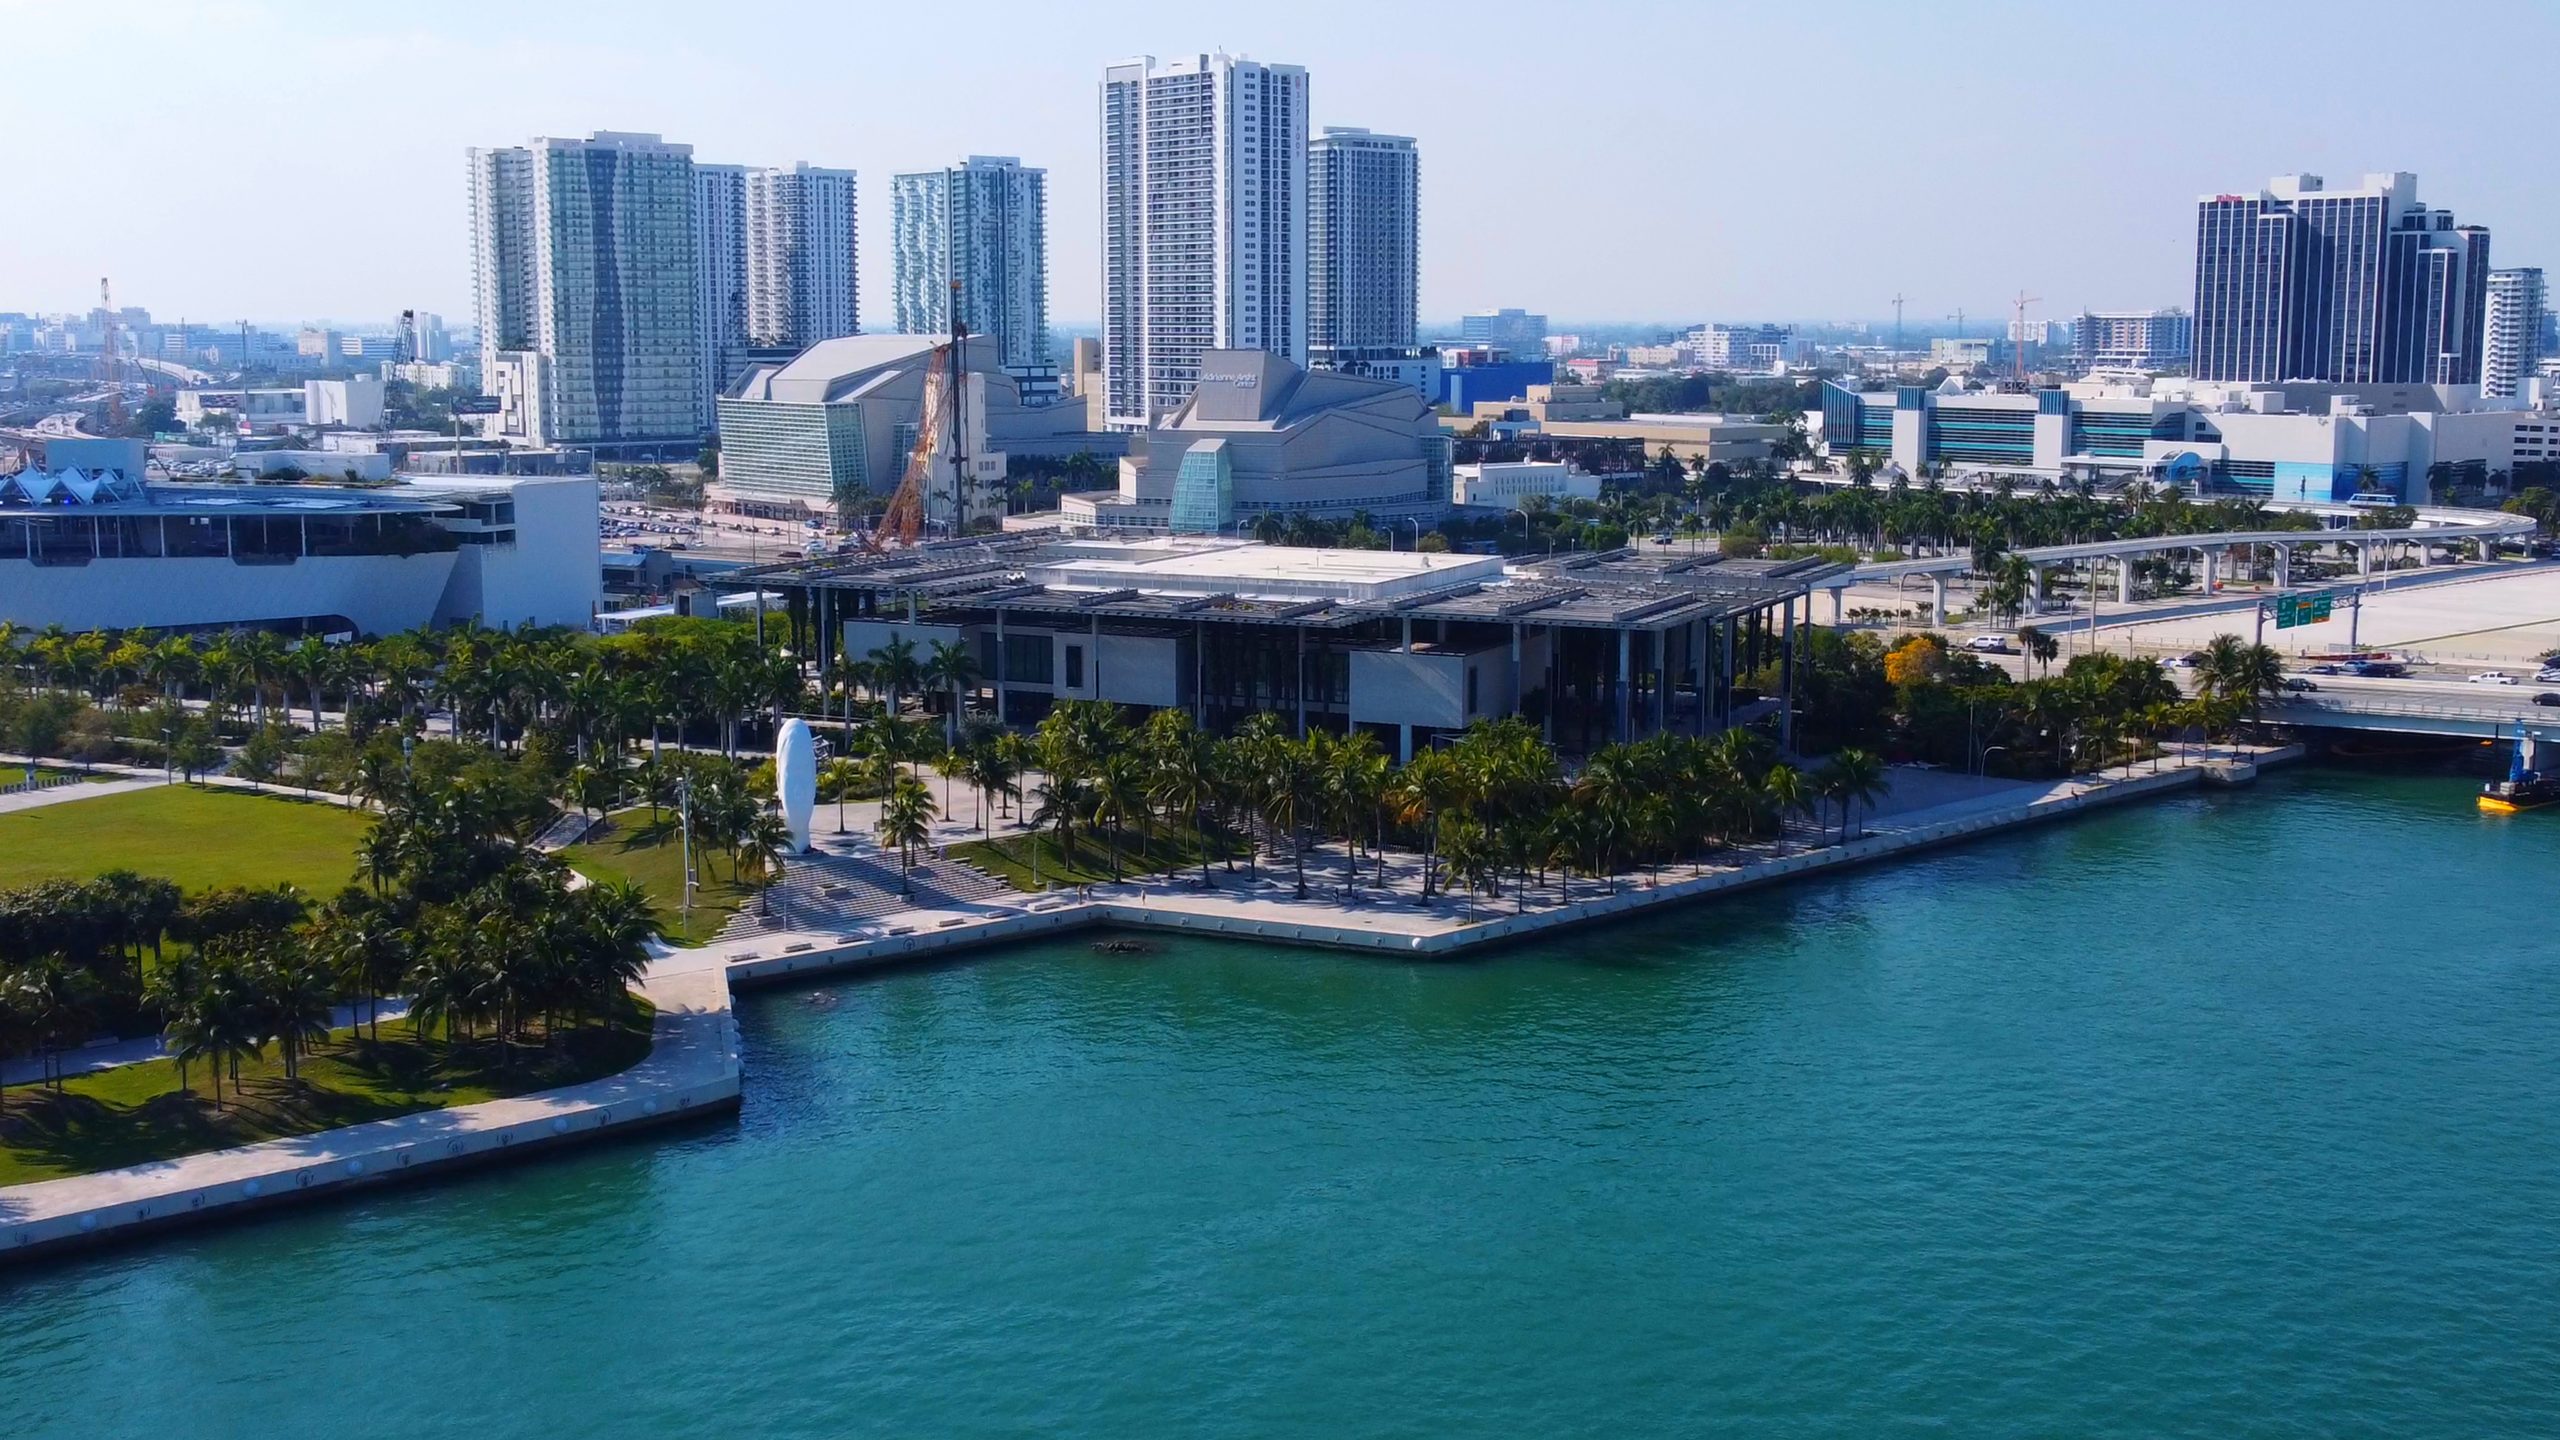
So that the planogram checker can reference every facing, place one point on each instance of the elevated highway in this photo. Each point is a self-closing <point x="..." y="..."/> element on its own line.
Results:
<point x="2476" y="525"/>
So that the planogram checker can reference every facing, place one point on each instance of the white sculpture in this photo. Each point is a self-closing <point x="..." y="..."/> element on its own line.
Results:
<point x="795" y="779"/>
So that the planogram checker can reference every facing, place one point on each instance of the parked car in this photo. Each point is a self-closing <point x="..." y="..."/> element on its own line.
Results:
<point x="2323" y="670"/>
<point x="2547" y="697"/>
<point x="2297" y="685"/>
<point x="2492" y="677"/>
<point x="1989" y="645"/>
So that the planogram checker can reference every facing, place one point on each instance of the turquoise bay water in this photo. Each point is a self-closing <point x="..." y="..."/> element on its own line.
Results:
<point x="2227" y="1116"/>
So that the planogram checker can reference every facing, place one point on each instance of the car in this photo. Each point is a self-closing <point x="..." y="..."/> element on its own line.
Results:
<point x="1989" y="645"/>
<point x="2186" y="662"/>
<point x="2548" y="675"/>
<point x="2492" y="677"/>
<point x="2297" y="685"/>
<point x="2547" y="697"/>
<point x="2323" y="670"/>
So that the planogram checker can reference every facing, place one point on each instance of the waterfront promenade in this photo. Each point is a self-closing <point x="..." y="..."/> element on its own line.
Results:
<point x="693" y="1066"/>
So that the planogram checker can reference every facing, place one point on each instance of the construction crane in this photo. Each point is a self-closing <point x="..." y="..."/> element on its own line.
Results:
<point x="2018" y="331"/>
<point x="1899" y="300"/>
<point x="945" y="411"/>
<point x="110" y="356"/>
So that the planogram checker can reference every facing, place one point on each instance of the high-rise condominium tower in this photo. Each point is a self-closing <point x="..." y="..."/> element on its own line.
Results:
<point x="720" y="267"/>
<point x="800" y="254"/>
<point x="585" y="289"/>
<point x="1363" y="241"/>
<point x="1204" y="223"/>
<point x="984" y="224"/>
<point x="2511" y="338"/>
<point x="2359" y="285"/>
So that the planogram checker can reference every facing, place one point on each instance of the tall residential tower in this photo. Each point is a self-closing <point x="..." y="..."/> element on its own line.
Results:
<point x="1204" y="223"/>
<point x="720" y="268"/>
<point x="2511" y="337"/>
<point x="800" y="256"/>
<point x="2352" y="286"/>
<point x="586" y="292"/>
<point x="1363" y="244"/>
<point x="983" y="224"/>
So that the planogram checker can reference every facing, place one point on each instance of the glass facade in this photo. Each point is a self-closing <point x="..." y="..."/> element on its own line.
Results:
<point x="1204" y="490"/>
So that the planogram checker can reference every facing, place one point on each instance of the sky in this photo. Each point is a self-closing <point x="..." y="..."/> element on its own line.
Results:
<point x="1597" y="160"/>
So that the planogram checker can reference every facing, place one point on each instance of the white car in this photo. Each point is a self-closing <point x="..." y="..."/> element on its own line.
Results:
<point x="2550" y="676"/>
<point x="2493" y="677"/>
<point x="1988" y="645"/>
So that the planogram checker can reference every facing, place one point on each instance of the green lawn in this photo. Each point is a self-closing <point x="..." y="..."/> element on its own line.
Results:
<point x="633" y="847"/>
<point x="199" y="838"/>
<point x="136" y="1113"/>
<point x="1009" y="858"/>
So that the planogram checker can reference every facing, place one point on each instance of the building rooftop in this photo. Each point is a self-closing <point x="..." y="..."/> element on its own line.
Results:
<point x="1185" y="579"/>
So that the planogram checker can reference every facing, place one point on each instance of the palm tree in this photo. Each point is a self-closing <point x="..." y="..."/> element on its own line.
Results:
<point x="1854" y="777"/>
<point x="762" y="844"/>
<point x="1065" y="800"/>
<point x="894" y="667"/>
<point x="2241" y="673"/>
<point x="296" y="995"/>
<point x="1117" y="789"/>
<point x="906" y="821"/>
<point x="953" y="668"/>
<point x="1784" y="790"/>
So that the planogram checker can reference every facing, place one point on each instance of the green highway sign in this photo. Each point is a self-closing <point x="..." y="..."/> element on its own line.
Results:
<point x="2293" y="610"/>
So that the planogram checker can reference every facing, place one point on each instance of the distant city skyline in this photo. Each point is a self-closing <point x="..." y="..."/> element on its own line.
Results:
<point x="1596" y="191"/>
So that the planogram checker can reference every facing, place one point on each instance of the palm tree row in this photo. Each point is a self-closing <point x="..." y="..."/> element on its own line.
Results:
<point x="1494" y="805"/>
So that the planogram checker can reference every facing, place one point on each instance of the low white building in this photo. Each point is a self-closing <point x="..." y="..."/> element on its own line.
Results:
<point x="102" y="549"/>
<point x="1510" y="484"/>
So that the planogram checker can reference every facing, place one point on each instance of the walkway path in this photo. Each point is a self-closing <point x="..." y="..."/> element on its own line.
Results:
<point x="108" y="1054"/>
<point x="64" y="794"/>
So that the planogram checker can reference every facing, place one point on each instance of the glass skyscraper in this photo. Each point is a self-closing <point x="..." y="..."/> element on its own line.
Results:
<point x="2361" y="285"/>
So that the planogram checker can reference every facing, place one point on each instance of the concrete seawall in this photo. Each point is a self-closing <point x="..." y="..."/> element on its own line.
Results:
<point x="693" y="1066"/>
<point x="691" y="1070"/>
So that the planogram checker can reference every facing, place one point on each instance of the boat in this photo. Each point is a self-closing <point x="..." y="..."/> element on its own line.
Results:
<point x="2522" y="789"/>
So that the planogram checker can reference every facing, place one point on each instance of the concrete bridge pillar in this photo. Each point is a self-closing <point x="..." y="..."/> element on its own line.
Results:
<point x="2284" y="567"/>
<point x="2212" y="569"/>
<point x="2035" y="590"/>
<point x="2124" y="579"/>
<point x="1937" y="599"/>
<point x="1839" y="603"/>
<point x="2364" y="558"/>
<point x="2426" y="554"/>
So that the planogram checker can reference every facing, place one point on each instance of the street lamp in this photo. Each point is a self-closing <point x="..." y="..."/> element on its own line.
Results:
<point x="1982" y="767"/>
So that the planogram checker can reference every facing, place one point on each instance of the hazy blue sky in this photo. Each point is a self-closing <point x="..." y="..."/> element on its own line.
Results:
<point x="279" y="161"/>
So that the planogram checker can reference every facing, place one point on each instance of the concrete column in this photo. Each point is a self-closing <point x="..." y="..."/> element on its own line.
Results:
<point x="2035" y="589"/>
<point x="1661" y="680"/>
<point x="2212" y="569"/>
<point x="1698" y="639"/>
<point x="2124" y="579"/>
<point x="1407" y="647"/>
<point x="1626" y="689"/>
<point x="1839" y="604"/>
<point x="1938" y="600"/>
<point x="911" y="608"/>
<point x="1200" y="672"/>
<point x="2364" y="558"/>
<point x="1725" y="677"/>
<point x="1787" y="669"/>
<point x="1404" y="744"/>
<point x="2284" y="567"/>
<point x="1095" y="645"/>
<point x="1547" y="721"/>
<point x="1302" y="682"/>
